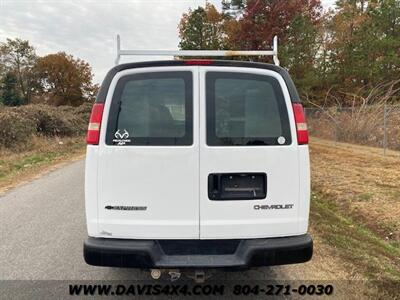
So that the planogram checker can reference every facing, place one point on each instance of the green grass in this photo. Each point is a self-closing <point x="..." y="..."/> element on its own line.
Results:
<point x="35" y="159"/>
<point x="14" y="165"/>
<point x="30" y="161"/>
<point x="376" y="259"/>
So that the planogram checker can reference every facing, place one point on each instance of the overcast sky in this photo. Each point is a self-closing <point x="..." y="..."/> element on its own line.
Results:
<point x="88" y="28"/>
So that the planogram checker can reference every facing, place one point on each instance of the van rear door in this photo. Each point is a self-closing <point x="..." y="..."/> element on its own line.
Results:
<point x="249" y="165"/>
<point x="148" y="170"/>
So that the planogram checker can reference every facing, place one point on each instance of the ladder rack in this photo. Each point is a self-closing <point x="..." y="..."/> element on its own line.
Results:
<point x="197" y="53"/>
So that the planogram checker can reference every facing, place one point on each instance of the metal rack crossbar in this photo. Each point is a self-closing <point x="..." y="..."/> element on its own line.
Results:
<point x="197" y="53"/>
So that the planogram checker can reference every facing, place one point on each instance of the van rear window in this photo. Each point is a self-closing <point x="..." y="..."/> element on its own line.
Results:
<point x="152" y="109"/>
<point x="245" y="110"/>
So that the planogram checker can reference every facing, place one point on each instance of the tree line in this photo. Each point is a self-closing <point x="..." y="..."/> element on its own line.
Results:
<point x="345" y="51"/>
<point x="54" y="79"/>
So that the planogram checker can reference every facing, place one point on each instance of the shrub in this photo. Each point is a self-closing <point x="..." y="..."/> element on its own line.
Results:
<point x="84" y="110"/>
<point x="17" y="124"/>
<point x="15" y="130"/>
<point x="54" y="121"/>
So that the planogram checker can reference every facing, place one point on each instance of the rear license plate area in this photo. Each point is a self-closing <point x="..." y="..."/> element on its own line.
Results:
<point x="237" y="186"/>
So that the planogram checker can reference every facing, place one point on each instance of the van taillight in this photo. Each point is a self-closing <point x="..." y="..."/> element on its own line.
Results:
<point x="201" y="62"/>
<point x="93" y="133"/>
<point x="301" y="125"/>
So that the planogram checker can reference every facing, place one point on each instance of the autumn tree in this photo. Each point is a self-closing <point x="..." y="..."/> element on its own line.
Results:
<point x="64" y="79"/>
<point x="364" y="46"/>
<point x="298" y="52"/>
<point x="202" y="29"/>
<point x="354" y="46"/>
<point x="18" y="57"/>
<point x="252" y="24"/>
<point x="260" y="20"/>
<point x="295" y="22"/>
<point x="346" y="25"/>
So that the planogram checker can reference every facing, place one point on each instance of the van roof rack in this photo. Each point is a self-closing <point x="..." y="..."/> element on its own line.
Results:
<point x="196" y="53"/>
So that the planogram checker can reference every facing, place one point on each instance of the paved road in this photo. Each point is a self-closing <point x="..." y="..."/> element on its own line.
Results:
<point x="42" y="227"/>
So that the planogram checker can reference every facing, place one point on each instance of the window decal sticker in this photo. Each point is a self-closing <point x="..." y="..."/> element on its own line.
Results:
<point x="121" y="138"/>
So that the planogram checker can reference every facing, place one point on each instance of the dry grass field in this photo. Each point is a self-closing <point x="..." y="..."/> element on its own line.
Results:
<point x="362" y="181"/>
<point x="354" y="217"/>
<point x="355" y="213"/>
<point x="43" y="155"/>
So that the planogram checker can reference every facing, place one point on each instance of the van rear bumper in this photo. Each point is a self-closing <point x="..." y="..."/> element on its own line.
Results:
<point x="197" y="253"/>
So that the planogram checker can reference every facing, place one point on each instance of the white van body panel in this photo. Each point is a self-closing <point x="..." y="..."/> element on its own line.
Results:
<point x="163" y="179"/>
<point x="91" y="189"/>
<point x="171" y="181"/>
<point x="305" y="188"/>
<point x="239" y="219"/>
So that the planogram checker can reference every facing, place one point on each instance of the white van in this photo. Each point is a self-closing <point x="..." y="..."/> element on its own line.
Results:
<point x="197" y="164"/>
